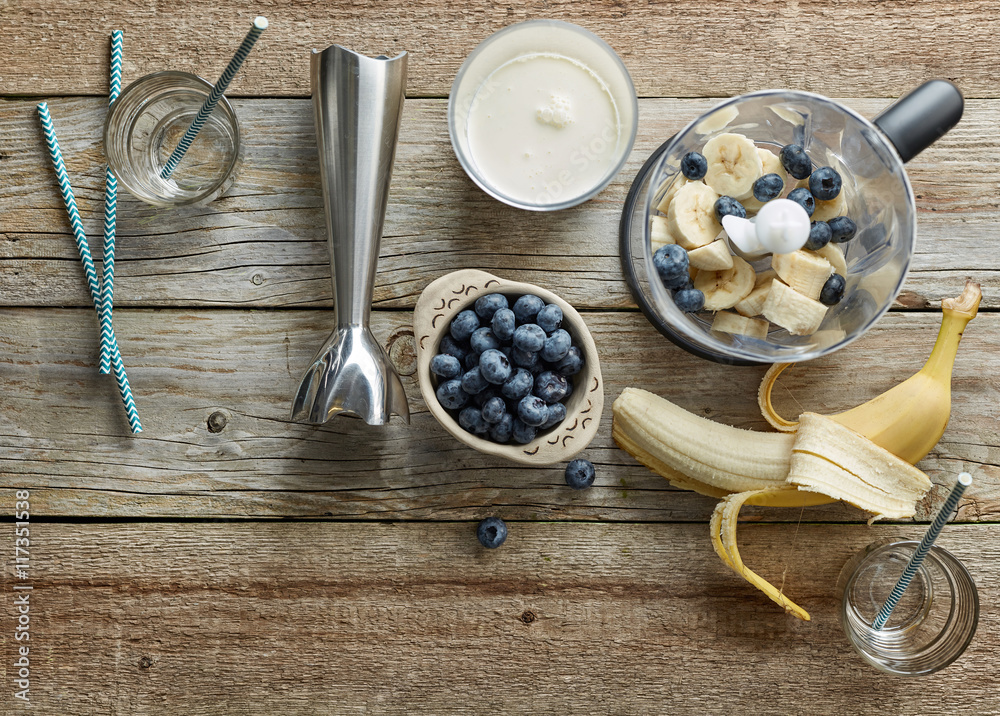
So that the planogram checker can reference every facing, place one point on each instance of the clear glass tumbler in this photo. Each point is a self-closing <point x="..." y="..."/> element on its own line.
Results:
<point x="930" y="627"/>
<point x="145" y="125"/>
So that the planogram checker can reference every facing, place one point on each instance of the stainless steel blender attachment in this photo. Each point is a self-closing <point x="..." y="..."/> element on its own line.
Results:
<point x="358" y="102"/>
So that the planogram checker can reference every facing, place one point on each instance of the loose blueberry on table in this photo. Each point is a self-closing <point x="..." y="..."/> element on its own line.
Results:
<point x="492" y="532"/>
<point x="580" y="474"/>
<point x="508" y="379"/>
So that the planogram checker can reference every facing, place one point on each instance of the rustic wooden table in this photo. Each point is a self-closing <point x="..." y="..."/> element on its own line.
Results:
<point x="228" y="561"/>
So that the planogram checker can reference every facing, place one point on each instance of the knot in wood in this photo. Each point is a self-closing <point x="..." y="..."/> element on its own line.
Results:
<point x="528" y="616"/>
<point x="257" y="279"/>
<point x="217" y="421"/>
<point x="145" y="662"/>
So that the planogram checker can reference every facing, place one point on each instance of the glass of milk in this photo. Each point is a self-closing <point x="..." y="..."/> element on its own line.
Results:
<point x="542" y="115"/>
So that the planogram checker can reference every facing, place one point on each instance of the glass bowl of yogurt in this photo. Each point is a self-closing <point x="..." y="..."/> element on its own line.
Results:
<point x="542" y="115"/>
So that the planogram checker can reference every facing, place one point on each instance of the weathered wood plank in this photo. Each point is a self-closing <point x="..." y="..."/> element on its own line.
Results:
<point x="63" y="432"/>
<point x="264" y="245"/>
<point x="203" y="619"/>
<point x="680" y="48"/>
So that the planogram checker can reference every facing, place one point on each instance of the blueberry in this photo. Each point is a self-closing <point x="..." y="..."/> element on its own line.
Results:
<point x="480" y="398"/>
<point x="569" y="390"/>
<point x="795" y="161"/>
<point x="571" y="363"/>
<point x="488" y="305"/>
<point x="527" y="307"/>
<point x="518" y="385"/>
<point x="463" y="325"/>
<point x="550" y="386"/>
<point x="556" y="414"/>
<point x="843" y="229"/>
<point x="471" y="419"/>
<point x="471" y="360"/>
<point x="819" y="235"/>
<point x="500" y="433"/>
<point x="524" y="359"/>
<point x="689" y="300"/>
<point x="580" y="474"/>
<point x="728" y="206"/>
<point x="556" y="346"/>
<point x="482" y="339"/>
<point x="503" y="324"/>
<point x="494" y="366"/>
<point x="530" y="337"/>
<point x="445" y="366"/>
<point x="521" y="432"/>
<point x="768" y="187"/>
<point x="494" y="409"/>
<point x="803" y="198"/>
<point x="550" y="318"/>
<point x="532" y="411"/>
<point x="671" y="262"/>
<point x="451" y="395"/>
<point x="833" y="290"/>
<point x="825" y="183"/>
<point x="694" y="166"/>
<point x="473" y="381"/>
<point x="491" y="532"/>
<point x="450" y="346"/>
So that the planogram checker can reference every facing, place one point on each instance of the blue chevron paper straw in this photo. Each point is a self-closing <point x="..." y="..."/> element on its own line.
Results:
<point x="964" y="480"/>
<point x="259" y="25"/>
<point x="110" y="218"/>
<point x="83" y="246"/>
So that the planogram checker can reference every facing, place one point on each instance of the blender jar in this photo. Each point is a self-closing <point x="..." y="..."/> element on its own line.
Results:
<point x="869" y="157"/>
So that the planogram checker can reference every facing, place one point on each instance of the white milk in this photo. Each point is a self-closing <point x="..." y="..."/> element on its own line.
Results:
<point x="543" y="128"/>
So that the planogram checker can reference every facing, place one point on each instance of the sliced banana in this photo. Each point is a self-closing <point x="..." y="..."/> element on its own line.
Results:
<point x="659" y="233"/>
<point x="691" y="215"/>
<point x="833" y="253"/>
<point x="733" y="165"/>
<point x="727" y="322"/>
<point x="753" y="304"/>
<point x="711" y="257"/>
<point x="804" y="271"/>
<point x="724" y="289"/>
<point x="677" y="183"/>
<point x="826" y="210"/>
<point x="771" y="165"/>
<point x="799" y="314"/>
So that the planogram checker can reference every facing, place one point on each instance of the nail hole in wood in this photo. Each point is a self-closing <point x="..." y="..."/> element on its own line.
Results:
<point x="217" y="422"/>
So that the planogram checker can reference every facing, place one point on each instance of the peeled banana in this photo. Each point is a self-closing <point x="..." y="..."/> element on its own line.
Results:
<point x="791" y="310"/>
<point x="725" y="288"/>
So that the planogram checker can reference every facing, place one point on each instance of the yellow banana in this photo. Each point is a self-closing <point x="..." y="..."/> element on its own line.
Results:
<point x="909" y="419"/>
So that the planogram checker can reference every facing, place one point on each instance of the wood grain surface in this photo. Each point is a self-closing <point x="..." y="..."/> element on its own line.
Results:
<point x="200" y="619"/>
<point x="67" y="438"/>
<point x="264" y="244"/>
<point x="675" y="48"/>
<point x="229" y="561"/>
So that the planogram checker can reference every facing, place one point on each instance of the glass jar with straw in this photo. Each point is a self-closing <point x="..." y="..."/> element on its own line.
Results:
<point x="910" y="608"/>
<point x="173" y="139"/>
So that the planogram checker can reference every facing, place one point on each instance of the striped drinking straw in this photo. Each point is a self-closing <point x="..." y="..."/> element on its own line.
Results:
<point x="259" y="25"/>
<point x="83" y="246"/>
<point x="964" y="480"/>
<point x="110" y="218"/>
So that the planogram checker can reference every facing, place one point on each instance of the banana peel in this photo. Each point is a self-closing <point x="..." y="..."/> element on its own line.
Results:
<point x="909" y="419"/>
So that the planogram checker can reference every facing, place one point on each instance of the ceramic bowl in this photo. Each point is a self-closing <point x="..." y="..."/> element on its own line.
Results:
<point x="442" y="300"/>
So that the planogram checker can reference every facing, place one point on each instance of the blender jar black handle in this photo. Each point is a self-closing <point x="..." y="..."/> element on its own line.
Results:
<point x="918" y="119"/>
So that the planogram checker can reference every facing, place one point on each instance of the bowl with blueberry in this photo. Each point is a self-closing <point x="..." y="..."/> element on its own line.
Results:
<point x="508" y="368"/>
<point x="780" y="225"/>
